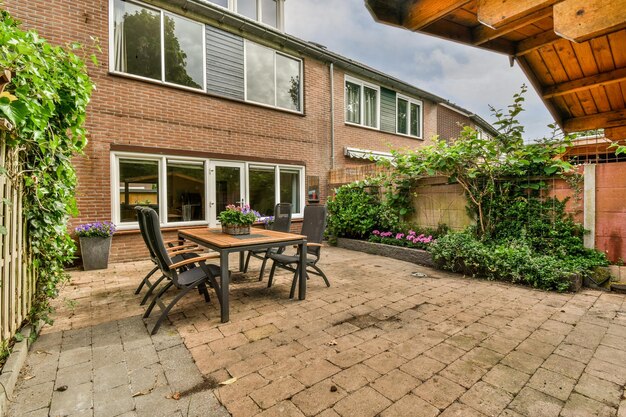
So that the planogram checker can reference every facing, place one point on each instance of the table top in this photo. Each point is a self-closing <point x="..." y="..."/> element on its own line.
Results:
<point x="257" y="236"/>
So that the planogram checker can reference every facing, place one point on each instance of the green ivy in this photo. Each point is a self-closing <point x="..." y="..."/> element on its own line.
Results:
<point x="51" y="90"/>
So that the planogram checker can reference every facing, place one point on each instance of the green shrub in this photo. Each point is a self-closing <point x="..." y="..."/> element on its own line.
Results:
<point x="513" y="261"/>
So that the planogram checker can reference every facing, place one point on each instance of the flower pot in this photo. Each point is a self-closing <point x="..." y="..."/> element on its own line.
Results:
<point x="95" y="252"/>
<point x="236" y="229"/>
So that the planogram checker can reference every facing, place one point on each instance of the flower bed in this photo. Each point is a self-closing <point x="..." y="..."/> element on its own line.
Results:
<point x="407" y="254"/>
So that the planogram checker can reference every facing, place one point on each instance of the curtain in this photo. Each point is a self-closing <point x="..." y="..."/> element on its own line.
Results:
<point x="353" y="103"/>
<point x="119" y="40"/>
<point x="371" y="107"/>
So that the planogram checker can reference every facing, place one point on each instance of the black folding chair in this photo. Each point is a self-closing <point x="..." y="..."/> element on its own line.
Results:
<point x="313" y="226"/>
<point x="176" y="249"/>
<point x="282" y="223"/>
<point x="183" y="280"/>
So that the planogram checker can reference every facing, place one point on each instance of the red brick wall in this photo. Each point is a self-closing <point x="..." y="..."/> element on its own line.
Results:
<point x="347" y="135"/>
<point x="450" y="123"/>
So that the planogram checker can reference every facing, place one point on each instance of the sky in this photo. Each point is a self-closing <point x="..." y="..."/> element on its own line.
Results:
<point x="467" y="76"/>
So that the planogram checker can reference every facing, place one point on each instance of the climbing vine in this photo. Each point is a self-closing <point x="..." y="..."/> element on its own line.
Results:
<point x="44" y="108"/>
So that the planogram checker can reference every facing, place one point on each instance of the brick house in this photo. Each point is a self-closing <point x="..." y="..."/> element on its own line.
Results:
<point x="204" y="103"/>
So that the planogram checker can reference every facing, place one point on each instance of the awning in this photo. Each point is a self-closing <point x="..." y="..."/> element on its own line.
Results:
<point x="366" y="154"/>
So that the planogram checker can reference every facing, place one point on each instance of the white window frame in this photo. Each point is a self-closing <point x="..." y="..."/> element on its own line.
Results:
<point x="420" y="126"/>
<point x="277" y="168"/>
<point x="208" y="185"/>
<point x="361" y="84"/>
<point x="162" y="34"/>
<point x="245" y="79"/>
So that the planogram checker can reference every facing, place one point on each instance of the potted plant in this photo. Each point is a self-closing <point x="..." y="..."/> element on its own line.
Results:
<point x="95" y="244"/>
<point x="236" y="220"/>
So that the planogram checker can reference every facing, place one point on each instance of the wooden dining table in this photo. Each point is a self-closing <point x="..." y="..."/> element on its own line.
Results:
<point x="225" y="244"/>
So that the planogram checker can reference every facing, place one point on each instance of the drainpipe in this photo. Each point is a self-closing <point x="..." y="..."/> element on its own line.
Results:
<point x="332" y="116"/>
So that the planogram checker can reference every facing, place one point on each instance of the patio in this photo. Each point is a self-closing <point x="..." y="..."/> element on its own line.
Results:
<point x="379" y="341"/>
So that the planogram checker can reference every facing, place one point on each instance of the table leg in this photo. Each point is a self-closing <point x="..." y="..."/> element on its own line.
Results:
<point x="225" y="278"/>
<point x="242" y="259"/>
<point x="302" y="272"/>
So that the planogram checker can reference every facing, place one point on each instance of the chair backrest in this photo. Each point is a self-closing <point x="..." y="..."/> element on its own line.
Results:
<point x="141" y="219"/>
<point x="282" y="217"/>
<point x="155" y="241"/>
<point x="313" y="226"/>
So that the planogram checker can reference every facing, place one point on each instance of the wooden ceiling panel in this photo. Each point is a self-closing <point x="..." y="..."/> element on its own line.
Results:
<point x="539" y="68"/>
<point x="546" y="23"/>
<point x="600" y="98"/>
<point x="561" y="107"/>
<point x="604" y="60"/>
<point x="462" y="17"/>
<point x="567" y="56"/>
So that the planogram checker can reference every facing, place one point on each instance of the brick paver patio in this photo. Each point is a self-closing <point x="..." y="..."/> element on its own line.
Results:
<point x="378" y="342"/>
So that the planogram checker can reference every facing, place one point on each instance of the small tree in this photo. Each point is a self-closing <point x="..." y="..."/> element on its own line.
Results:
<point x="478" y="163"/>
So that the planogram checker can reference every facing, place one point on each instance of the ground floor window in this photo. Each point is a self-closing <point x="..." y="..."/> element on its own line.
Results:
<point x="193" y="191"/>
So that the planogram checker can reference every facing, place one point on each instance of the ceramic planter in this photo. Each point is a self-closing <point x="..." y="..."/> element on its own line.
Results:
<point x="235" y="229"/>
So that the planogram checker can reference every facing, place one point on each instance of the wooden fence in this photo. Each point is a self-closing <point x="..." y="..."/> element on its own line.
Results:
<point x="347" y="175"/>
<point x="17" y="275"/>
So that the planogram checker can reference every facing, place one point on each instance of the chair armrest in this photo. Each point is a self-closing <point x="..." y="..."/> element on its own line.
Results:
<point x="180" y="252"/>
<point x="317" y="245"/>
<point x="174" y="249"/>
<point x="200" y="258"/>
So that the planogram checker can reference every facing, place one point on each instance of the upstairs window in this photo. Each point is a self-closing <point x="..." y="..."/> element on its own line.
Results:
<point x="362" y="101"/>
<point x="153" y="44"/>
<point x="409" y="117"/>
<point x="264" y="11"/>
<point x="272" y="78"/>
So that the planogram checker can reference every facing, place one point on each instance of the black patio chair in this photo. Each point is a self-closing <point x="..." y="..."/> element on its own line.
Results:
<point x="177" y="250"/>
<point x="282" y="223"/>
<point x="313" y="226"/>
<point x="183" y="280"/>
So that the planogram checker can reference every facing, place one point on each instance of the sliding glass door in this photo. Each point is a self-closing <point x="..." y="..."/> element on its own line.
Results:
<point x="226" y="181"/>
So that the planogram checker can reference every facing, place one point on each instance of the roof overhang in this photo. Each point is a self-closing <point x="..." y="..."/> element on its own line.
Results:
<point x="572" y="51"/>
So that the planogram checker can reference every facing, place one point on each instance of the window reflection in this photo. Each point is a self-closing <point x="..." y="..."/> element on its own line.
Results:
<point x="269" y="12"/>
<point x="137" y="40"/>
<point x="247" y="8"/>
<point x="139" y="185"/>
<point x="353" y="102"/>
<point x="223" y="3"/>
<point x="183" y="52"/>
<point x="260" y="74"/>
<point x="415" y="120"/>
<point x="290" y="188"/>
<point x="287" y="82"/>
<point x="402" y="116"/>
<point x="227" y="187"/>
<point x="262" y="189"/>
<point x="185" y="191"/>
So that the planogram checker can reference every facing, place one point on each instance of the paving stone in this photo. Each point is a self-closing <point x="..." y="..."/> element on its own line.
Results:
<point x="111" y="376"/>
<point x="240" y="388"/>
<point x="487" y="399"/>
<point x="580" y="406"/>
<point x="316" y="372"/>
<point x="34" y="398"/>
<point x="243" y="407"/>
<point x="366" y="402"/>
<point x="74" y="375"/>
<point x="395" y="384"/>
<point x="552" y="383"/>
<point x="599" y="389"/>
<point x="349" y="358"/>
<point x="608" y="371"/>
<point x="410" y="406"/>
<point x="281" y="369"/>
<point x="74" y="356"/>
<point x="313" y="400"/>
<point x="385" y="362"/>
<point x="355" y="377"/>
<point x="276" y="391"/>
<point x="565" y="366"/>
<point x="522" y="361"/>
<point x="530" y="402"/>
<point x="422" y="367"/>
<point x="464" y="372"/>
<point x="509" y="379"/>
<point x="113" y="402"/>
<point x="140" y="357"/>
<point x="445" y="353"/>
<point x="439" y="391"/>
<point x="284" y="408"/>
<point x="74" y="399"/>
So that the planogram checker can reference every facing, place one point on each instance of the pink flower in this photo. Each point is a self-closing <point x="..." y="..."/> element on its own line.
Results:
<point x="411" y="232"/>
<point x="376" y="232"/>
<point x="399" y="235"/>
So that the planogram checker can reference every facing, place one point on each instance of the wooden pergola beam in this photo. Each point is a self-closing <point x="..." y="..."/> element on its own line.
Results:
<point x="497" y="13"/>
<point x="586" y="83"/>
<point x="482" y="34"/>
<point x="616" y="118"/>
<point x="581" y="20"/>
<point x="615" y="133"/>
<point x="453" y="31"/>
<point x="533" y="43"/>
<point x="420" y="13"/>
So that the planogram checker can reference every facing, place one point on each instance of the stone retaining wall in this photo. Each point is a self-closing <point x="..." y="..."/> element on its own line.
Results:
<point x="416" y="256"/>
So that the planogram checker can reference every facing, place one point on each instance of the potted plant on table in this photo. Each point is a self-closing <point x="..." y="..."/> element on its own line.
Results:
<point x="236" y="220"/>
<point x="95" y="244"/>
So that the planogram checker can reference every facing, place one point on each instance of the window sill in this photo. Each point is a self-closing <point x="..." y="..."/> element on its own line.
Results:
<point x="377" y="129"/>
<point x="383" y="131"/>
<point x="202" y="92"/>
